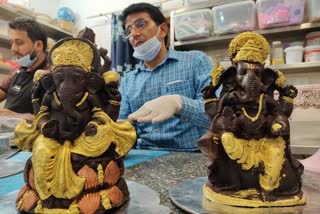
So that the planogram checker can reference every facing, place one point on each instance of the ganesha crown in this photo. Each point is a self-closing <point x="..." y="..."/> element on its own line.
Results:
<point x="72" y="53"/>
<point x="250" y="47"/>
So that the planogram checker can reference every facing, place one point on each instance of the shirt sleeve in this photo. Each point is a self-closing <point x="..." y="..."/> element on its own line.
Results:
<point x="193" y="109"/>
<point x="124" y="107"/>
<point x="6" y="82"/>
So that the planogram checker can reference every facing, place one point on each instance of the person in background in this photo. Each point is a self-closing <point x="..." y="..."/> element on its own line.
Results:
<point x="28" y="43"/>
<point x="162" y="97"/>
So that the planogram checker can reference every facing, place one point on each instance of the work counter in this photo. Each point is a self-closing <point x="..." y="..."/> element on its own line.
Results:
<point x="158" y="170"/>
<point x="163" y="173"/>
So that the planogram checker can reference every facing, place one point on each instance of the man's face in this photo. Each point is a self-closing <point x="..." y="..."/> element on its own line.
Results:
<point x="142" y="28"/>
<point x="21" y="44"/>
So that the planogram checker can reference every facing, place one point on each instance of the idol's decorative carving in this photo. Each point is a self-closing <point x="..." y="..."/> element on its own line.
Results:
<point x="248" y="144"/>
<point x="77" y="146"/>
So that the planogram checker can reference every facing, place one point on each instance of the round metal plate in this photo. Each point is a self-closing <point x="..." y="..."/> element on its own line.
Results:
<point x="142" y="200"/>
<point x="188" y="196"/>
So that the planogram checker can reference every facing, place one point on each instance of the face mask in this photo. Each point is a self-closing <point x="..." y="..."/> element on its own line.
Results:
<point x="26" y="61"/>
<point x="148" y="50"/>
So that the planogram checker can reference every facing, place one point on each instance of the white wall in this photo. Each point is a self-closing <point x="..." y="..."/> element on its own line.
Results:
<point x="101" y="25"/>
<point x="86" y="8"/>
<point x="48" y="7"/>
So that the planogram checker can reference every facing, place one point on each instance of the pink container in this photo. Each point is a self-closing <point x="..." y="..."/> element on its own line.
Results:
<point x="276" y="13"/>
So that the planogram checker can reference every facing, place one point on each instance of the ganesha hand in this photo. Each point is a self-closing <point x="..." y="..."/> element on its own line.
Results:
<point x="228" y="119"/>
<point x="90" y="130"/>
<point x="50" y="128"/>
<point x="291" y="91"/>
<point x="280" y="129"/>
<point x="208" y="92"/>
<point x="112" y="91"/>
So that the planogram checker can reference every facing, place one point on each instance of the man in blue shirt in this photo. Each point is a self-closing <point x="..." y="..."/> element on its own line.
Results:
<point x="162" y="97"/>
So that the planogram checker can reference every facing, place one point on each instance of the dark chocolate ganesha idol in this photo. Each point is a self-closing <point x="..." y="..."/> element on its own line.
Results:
<point x="77" y="147"/>
<point x="248" y="144"/>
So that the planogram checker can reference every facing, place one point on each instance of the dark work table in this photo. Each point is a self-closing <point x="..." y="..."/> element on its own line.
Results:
<point x="162" y="173"/>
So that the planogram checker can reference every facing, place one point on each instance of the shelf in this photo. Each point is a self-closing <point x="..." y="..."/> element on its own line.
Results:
<point x="4" y="41"/>
<point x="55" y="32"/>
<point x="297" y="30"/>
<point x="303" y="149"/>
<point x="5" y="69"/>
<point x="303" y="67"/>
<point x="208" y="4"/>
<point x="9" y="12"/>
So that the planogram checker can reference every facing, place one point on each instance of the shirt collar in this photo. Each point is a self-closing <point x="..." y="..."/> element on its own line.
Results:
<point x="171" y="54"/>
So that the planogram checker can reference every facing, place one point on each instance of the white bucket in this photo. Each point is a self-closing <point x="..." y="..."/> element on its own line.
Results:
<point x="312" y="53"/>
<point x="294" y="54"/>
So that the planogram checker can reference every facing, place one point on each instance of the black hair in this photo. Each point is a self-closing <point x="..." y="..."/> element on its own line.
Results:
<point x="32" y="27"/>
<point x="153" y="11"/>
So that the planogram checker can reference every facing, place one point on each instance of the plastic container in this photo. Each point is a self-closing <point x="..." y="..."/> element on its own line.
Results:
<point x="314" y="10"/>
<point x="234" y="17"/>
<point x="313" y="38"/>
<point x="196" y="2"/>
<point x="276" y="13"/>
<point x="312" y="53"/>
<point x="277" y="53"/>
<point x="65" y="25"/>
<point x="294" y="54"/>
<point x="193" y="24"/>
<point x="172" y="5"/>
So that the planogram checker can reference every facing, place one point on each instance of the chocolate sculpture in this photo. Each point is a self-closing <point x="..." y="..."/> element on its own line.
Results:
<point x="248" y="144"/>
<point x="88" y="33"/>
<point x="77" y="147"/>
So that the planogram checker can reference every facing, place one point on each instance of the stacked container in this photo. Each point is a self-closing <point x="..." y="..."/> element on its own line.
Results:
<point x="294" y="54"/>
<point x="312" y="50"/>
<point x="234" y="17"/>
<point x="277" y="53"/>
<point x="193" y="25"/>
<point x="312" y="53"/>
<point x="276" y="13"/>
<point x="314" y="10"/>
<point x="313" y="38"/>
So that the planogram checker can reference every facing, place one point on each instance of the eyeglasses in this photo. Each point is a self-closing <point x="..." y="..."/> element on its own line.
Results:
<point x="138" y="24"/>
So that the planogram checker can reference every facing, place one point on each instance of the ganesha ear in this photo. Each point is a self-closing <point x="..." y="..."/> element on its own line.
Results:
<point x="269" y="76"/>
<point x="47" y="82"/>
<point x="94" y="82"/>
<point x="228" y="78"/>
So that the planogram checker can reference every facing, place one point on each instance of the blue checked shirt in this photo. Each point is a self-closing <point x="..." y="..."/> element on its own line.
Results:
<point x="183" y="73"/>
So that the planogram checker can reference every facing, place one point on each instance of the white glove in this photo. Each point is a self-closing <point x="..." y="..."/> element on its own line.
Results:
<point x="157" y="110"/>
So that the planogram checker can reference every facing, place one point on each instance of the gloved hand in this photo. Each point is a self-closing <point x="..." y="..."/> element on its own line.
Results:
<point x="157" y="110"/>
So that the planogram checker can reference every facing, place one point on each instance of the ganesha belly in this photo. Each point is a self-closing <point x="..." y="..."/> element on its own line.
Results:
<point x="247" y="147"/>
<point x="77" y="146"/>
